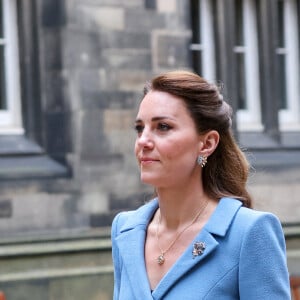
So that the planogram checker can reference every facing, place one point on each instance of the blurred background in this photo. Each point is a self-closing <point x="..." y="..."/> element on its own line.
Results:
<point x="71" y="78"/>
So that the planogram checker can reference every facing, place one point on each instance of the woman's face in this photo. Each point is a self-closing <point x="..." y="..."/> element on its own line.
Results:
<point x="167" y="143"/>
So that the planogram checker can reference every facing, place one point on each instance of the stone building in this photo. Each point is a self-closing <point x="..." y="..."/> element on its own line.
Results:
<point x="71" y="78"/>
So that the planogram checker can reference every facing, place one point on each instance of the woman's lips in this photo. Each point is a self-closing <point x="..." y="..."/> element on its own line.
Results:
<point x="147" y="160"/>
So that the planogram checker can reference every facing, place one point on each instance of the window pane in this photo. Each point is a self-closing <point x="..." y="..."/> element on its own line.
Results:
<point x="1" y="19"/>
<point x="203" y="43"/>
<point x="298" y="26"/>
<point x="195" y="14"/>
<point x="196" y="35"/>
<point x="2" y="80"/>
<point x="281" y="56"/>
<point x="240" y="78"/>
<point x="282" y="82"/>
<point x="197" y="61"/>
<point x="239" y="24"/>
<point x="280" y="11"/>
<point x="2" y="77"/>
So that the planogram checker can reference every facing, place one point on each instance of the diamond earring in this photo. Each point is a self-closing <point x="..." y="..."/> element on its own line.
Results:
<point x="201" y="160"/>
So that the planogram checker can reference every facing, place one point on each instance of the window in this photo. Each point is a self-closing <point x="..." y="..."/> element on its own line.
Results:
<point x="205" y="15"/>
<point x="247" y="71"/>
<point x="287" y="53"/>
<point x="203" y="47"/>
<point x="253" y="47"/>
<point x="29" y="146"/>
<point x="10" y="108"/>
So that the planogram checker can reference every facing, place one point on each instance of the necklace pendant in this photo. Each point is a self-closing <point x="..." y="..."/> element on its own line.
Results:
<point x="160" y="259"/>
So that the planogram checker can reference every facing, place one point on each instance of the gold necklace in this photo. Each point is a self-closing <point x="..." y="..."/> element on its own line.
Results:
<point x="161" y="258"/>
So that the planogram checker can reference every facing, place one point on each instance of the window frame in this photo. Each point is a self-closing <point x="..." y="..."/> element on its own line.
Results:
<point x="205" y="43"/>
<point x="35" y="153"/>
<point x="250" y="118"/>
<point x="272" y="135"/>
<point x="289" y="117"/>
<point x="11" y="118"/>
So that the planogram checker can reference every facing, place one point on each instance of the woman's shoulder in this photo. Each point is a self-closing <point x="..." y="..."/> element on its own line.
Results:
<point x="253" y="215"/>
<point x="256" y="221"/>
<point x="245" y="219"/>
<point x="242" y="213"/>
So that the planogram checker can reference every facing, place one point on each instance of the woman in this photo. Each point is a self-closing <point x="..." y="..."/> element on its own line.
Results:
<point x="199" y="238"/>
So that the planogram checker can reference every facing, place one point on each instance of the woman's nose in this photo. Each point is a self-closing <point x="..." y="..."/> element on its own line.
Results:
<point x="145" y="140"/>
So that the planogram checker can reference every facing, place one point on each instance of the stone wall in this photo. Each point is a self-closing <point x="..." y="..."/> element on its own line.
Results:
<point x="94" y="57"/>
<point x="119" y="45"/>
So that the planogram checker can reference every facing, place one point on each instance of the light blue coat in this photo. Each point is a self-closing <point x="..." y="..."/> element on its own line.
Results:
<point x="244" y="258"/>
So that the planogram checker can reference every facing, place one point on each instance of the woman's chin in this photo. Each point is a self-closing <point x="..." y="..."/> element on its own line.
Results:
<point x="151" y="180"/>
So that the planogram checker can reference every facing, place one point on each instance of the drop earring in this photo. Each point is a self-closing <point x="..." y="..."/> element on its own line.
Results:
<point x="201" y="160"/>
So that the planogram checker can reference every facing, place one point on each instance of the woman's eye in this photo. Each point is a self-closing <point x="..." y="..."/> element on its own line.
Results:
<point x="138" y="128"/>
<point x="164" y="127"/>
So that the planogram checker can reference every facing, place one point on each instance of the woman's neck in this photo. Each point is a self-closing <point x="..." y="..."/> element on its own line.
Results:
<point x="179" y="207"/>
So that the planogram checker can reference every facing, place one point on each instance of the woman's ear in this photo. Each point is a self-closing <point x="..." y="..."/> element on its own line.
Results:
<point x="209" y="142"/>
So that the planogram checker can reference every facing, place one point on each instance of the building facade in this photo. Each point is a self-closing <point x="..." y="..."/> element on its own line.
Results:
<point x="71" y="77"/>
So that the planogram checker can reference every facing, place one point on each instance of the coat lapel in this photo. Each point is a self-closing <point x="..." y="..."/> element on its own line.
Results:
<point x="131" y="244"/>
<point x="217" y="225"/>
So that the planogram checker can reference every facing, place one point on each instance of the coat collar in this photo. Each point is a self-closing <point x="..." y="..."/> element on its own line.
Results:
<point x="141" y="217"/>
<point x="218" y="223"/>
<point x="222" y="217"/>
<point x="131" y="244"/>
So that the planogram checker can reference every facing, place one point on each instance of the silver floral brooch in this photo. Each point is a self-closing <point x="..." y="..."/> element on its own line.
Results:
<point x="198" y="249"/>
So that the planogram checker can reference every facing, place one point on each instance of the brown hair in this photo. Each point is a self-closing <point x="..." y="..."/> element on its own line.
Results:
<point x="226" y="172"/>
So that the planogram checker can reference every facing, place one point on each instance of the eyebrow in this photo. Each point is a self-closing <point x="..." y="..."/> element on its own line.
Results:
<point x="155" y="119"/>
